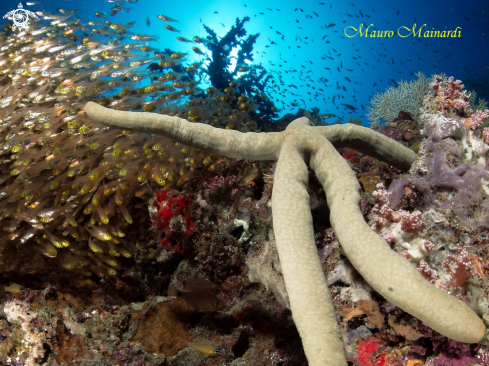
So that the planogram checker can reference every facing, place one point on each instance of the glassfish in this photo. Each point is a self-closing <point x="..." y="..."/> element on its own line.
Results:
<point x="166" y="18"/>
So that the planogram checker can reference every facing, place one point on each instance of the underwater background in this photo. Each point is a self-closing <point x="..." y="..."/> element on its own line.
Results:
<point x="301" y="44"/>
<point x="126" y="248"/>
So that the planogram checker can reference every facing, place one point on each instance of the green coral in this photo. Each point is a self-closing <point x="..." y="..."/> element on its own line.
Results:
<point x="407" y="97"/>
<point x="313" y="116"/>
<point x="355" y="121"/>
<point x="476" y="107"/>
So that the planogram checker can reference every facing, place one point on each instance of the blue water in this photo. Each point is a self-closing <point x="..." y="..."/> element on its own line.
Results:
<point x="369" y="63"/>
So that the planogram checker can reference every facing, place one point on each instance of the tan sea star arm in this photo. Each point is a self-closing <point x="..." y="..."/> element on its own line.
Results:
<point x="387" y="272"/>
<point x="310" y="301"/>
<point x="369" y="142"/>
<point x="230" y="143"/>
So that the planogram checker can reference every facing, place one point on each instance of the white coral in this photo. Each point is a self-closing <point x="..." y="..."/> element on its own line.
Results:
<point x="18" y="312"/>
<point x="264" y="267"/>
<point x="407" y="97"/>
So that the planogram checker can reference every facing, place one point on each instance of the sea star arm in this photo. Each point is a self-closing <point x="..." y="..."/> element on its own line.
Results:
<point x="310" y="300"/>
<point x="369" y="142"/>
<point x="230" y="143"/>
<point x="388" y="273"/>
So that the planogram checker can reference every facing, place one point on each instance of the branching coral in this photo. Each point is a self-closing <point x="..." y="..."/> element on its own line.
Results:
<point x="252" y="81"/>
<point x="218" y="69"/>
<point x="407" y="97"/>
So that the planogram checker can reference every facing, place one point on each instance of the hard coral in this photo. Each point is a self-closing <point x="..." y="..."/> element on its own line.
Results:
<point x="162" y="331"/>
<point x="68" y="347"/>
<point x="31" y="346"/>
<point x="264" y="267"/>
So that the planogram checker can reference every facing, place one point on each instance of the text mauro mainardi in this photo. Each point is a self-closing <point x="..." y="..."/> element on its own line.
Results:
<point x="402" y="32"/>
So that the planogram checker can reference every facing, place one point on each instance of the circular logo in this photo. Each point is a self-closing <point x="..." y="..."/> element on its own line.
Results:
<point x="20" y="18"/>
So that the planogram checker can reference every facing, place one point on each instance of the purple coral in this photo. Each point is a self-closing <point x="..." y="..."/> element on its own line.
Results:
<point x="455" y="354"/>
<point x="446" y="182"/>
<point x="461" y="186"/>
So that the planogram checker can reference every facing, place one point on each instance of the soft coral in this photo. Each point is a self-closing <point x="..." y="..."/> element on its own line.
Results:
<point x="173" y="216"/>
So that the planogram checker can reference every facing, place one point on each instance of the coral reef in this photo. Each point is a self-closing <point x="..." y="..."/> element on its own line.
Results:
<point x="406" y="96"/>
<point x="212" y="216"/>
<point x="346" y="220"/>
<point x="252" y="81"/>
<point x="70" y="189"/>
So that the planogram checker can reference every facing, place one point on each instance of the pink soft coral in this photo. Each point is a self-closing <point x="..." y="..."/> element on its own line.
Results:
<point x="410" y="222"/>
<point x="426" y="271"/>
<point x="388" y="236"/>
<point x="382" y="212"/>
<point x="451" y="94"/>
<point x="477" y="119"/>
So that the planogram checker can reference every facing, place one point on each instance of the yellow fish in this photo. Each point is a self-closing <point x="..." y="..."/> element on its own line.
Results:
<point x="206" y="348"/>
<point x="15" y="289"/>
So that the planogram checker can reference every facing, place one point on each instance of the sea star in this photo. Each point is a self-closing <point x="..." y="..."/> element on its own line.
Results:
<point x="300" y="144"/>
